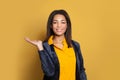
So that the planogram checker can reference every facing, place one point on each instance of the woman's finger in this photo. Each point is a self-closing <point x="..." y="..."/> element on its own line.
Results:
<point x="30" y="41"/>
<point x="27" y="39"/>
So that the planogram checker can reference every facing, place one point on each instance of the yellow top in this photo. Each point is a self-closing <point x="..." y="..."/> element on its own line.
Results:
<point x="67" y="60"/>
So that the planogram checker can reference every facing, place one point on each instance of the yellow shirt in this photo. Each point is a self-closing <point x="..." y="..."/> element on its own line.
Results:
<point x="67" y="60"/>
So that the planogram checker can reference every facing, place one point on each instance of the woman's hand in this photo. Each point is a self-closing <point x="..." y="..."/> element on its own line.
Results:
<point x="37" y="43"/>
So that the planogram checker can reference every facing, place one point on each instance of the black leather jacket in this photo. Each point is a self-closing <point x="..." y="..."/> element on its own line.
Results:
<point x="50" y="63"/>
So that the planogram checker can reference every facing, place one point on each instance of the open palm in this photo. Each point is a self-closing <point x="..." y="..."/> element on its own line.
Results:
<point x="37" y="43"/>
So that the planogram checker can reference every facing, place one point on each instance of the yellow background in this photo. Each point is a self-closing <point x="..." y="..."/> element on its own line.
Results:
<point x="95" y="25"/>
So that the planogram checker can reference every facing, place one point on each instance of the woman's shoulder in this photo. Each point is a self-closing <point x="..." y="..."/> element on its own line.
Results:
<point x="74" y="42"/>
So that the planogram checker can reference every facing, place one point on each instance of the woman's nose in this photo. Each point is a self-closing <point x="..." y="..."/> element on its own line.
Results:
<point x="58" y="24"/>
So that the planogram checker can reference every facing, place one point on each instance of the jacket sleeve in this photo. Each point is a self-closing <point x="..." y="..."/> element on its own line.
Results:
<point x="82" y="69"/>
<point x="46" y="63"/>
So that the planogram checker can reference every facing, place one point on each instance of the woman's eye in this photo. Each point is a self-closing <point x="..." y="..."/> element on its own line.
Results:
<point x="63" y="22"/>
<point x="54" y="22"/>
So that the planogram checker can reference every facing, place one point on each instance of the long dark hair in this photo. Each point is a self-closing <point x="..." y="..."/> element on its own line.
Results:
<point x="68" y="35"/>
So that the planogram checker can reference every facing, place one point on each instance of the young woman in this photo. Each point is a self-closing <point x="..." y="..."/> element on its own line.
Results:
<point x="60" y="56"/>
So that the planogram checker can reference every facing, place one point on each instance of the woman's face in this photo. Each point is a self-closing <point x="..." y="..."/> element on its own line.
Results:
<point x="59" y="25"/>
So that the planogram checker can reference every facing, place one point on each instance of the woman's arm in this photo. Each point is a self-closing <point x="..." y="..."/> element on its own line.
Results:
<point x="46" y="62"/>
<point x="82" y="69"/>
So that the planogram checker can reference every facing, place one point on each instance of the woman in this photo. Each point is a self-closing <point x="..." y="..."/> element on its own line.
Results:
<point x="61" y="58"/>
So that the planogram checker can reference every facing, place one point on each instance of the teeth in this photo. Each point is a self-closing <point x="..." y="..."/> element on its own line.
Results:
<point x="58" y="30"/>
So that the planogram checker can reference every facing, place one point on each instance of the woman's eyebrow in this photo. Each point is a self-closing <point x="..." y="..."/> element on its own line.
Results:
<point x="58" y="20"/>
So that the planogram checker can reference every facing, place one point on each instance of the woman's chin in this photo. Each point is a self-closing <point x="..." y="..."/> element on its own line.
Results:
<point x="59" y="34"/>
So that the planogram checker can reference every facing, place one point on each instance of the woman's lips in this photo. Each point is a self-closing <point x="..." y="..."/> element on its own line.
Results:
<point x="59" y="30"/>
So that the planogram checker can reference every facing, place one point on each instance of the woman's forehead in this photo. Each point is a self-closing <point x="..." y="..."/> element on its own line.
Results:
<point x="59" y="17"/>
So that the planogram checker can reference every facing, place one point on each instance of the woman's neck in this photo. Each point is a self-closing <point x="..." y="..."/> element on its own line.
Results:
<point x="58" y="39"/>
